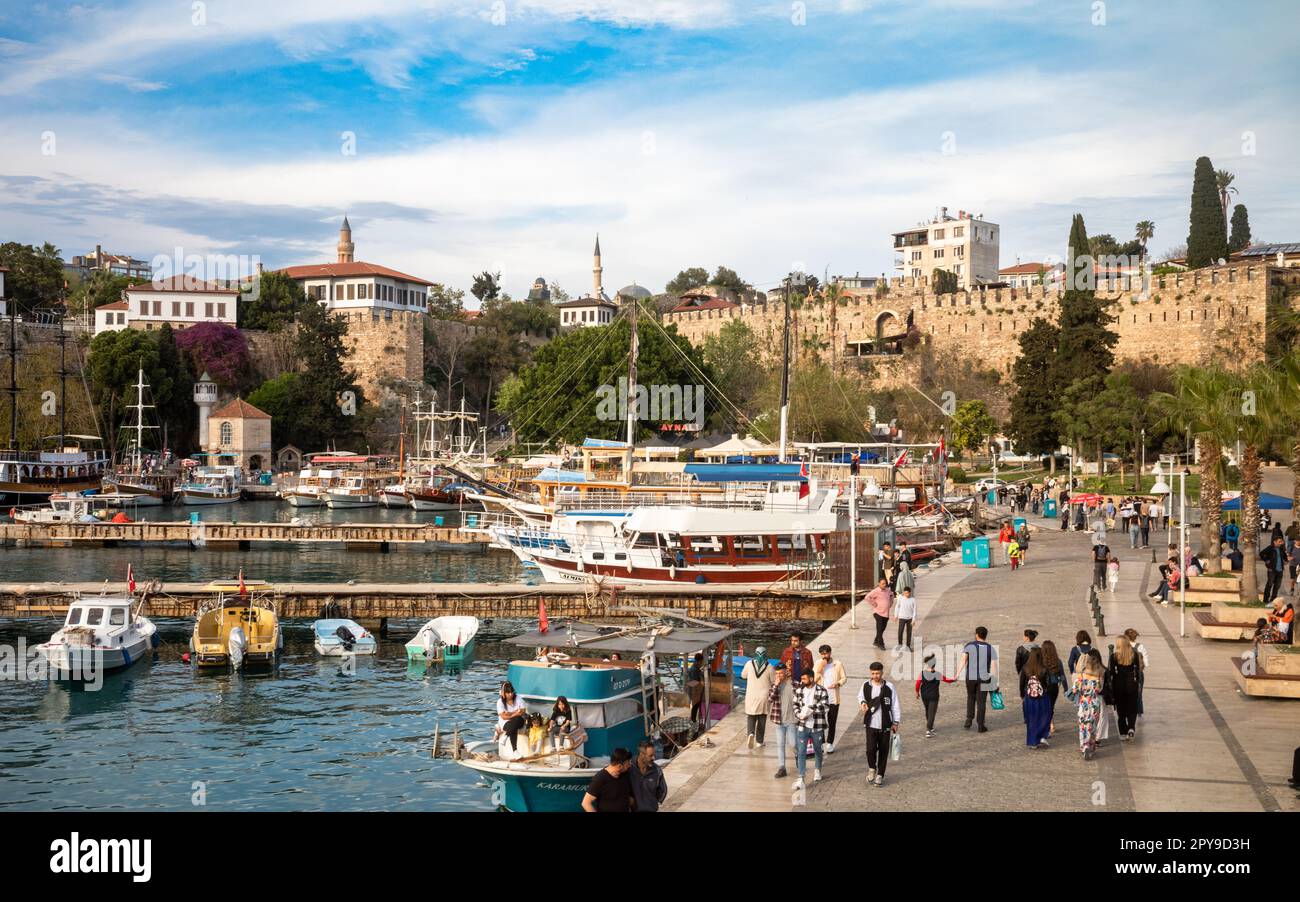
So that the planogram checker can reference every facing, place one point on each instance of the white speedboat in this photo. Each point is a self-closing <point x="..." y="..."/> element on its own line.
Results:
<point x="352" y="491"/>
<point x="100" y="634"/>
<point x="338" y="638"/>
<point x="210" y="485"/>
<point x="75" y="507"/>
<point x="444" y="639"/>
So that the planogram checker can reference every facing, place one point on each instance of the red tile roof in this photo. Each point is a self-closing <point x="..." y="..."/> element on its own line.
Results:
<point x="338" y="270"/>
<point x="1026" y="268"/>
<point x="711" y="304"/>
<point x="240" y="409"/>
<point x="182" y="283"/>
<point x="116" y="305"/>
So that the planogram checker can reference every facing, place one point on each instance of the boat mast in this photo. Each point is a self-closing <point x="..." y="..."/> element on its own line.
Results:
<point x="433" y="428"/>
<point x="461" y="448"/>
<point x="631" y="388"/>
<point x="13" y="379"/>
<point x="63" y="384"/>
<point x="785" y="371"/>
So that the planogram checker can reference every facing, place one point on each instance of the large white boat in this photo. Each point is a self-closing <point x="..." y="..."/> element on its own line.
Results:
<point x="101" y="633"/>
<point x="210" y="485"/>
<point x="309" y="490"/>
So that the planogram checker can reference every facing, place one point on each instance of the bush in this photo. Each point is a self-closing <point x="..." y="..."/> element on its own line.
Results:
<point x="957" y="475"/>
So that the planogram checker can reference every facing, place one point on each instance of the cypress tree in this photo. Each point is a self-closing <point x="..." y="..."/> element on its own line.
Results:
<point x="1037" y="383"/>
<point x="1240" y="229"/>
<point x="1086" y="343"/>
<point x="1208" y="239"/>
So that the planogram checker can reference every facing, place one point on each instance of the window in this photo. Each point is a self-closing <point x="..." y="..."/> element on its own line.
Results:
<point x="189" y="308"/>
<point x="94" y="617"/>
<point x="117" y="616"/>
<point x="598" y="555"/>
<point x="221" y="310"/>
<point x="361" y="292"/>
<point x="338" y="292"/>
<point x="157" y="308"/>
<point x="708" y="546"/>
<point x="74" y="616"/>
<point x="958" y="231"/>
<point x="227" y="434"/>
<point x="938" y="234"/>
<point x="750" y="546"/>
<point x="144" y="308"/>
<point x="207" y="310"/>
<point x="960" y="250"/>
<point x="352" y="292"/>
<point x="938" y="253"/>
<point x="176" y="308"/>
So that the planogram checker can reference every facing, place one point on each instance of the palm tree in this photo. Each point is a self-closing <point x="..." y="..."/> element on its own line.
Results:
<point x="1146" y="230"/>
<point x="1223" y="181"/>
<point x="1257" y="426"/>
<point x="1202" y="405"/>
<point x="1285" y="394"/>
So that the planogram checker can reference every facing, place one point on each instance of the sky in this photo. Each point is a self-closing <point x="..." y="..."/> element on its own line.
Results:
<point x="505" y="134"/>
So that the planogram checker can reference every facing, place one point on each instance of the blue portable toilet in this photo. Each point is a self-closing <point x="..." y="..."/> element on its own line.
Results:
<point x="968" y="552"/>
<point x="983" y="559"/>
<point x="992" y="497"/>
<point x="471" y="520"/>
<point x="1018" y="523"/>
<point x="194" y="518"/>
<point x="1049" y="508"/>
<point x="438" y="521"/>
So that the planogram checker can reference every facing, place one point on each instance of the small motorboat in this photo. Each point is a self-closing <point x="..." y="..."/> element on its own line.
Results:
<point x="446" y="639"/>
<point x="100" y="634"/>
<point x="74" y="507"/>
<point x="210" y="485"/>
<point x="339" y="638"/>
<point x="236" y="631"/>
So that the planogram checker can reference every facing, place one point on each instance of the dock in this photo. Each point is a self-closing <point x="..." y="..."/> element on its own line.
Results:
<point x="242" y="536"/>
<point x="383" y="601"/>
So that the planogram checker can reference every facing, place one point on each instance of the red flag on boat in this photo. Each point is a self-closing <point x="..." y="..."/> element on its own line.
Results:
<point x="130" y="578"/>
<point x="803" y="473"/>
<point x="543" y="625"/>
<point x="243" y="590"/>
<point x="902" y="459"/>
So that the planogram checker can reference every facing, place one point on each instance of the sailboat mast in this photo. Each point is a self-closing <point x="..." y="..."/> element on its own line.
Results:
<point x="785" y="372"/>
<point x="461" y="449"/>
<point x="433" y="428"/>
<point x="63" y="384"/>
<point x="139" y="416"/>
<point x="401" y="447"/>
<point x="631" y="383"/>
<point x="13" y="379"/>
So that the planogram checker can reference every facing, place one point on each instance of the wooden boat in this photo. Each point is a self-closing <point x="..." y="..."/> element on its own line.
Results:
<point x="100" y="634"/>
<point x="337" y="637"/>
<point x="75" y="507"/>
<point x="447" y="639"/>
<point x="210" y="485"/>
<point x="354" y="490"/>
<point x="239" y="630"/>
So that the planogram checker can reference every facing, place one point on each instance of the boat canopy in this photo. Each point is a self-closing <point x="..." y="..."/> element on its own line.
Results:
<point x="745" y="472"/>
<point x="555" y="474"/>
<point x="681" y="640"/>
<point x="603" y="443"/>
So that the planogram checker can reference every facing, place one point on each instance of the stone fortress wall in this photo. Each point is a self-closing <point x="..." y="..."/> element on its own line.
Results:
<point x="1191" y="317"/>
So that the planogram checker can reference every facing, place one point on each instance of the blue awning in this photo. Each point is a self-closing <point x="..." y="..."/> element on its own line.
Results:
<point x="1266" y="502"/>
<point x="552" y="474"/>
<point x="602" y="443"/>
<point x="745" y="472"/>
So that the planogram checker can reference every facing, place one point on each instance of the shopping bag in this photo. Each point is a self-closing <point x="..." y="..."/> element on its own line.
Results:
<point x="995" y="700"/>
<point x="895" y="747"/>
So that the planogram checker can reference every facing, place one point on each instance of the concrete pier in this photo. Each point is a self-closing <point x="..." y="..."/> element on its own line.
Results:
<point x="215" y="534"/>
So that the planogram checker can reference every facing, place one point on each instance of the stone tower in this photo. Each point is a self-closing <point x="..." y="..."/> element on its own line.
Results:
<point x="596" y="290"/>
<point x="346" y="247"/>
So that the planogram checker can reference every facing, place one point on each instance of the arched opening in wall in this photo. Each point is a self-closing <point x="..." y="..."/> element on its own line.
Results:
<point x="886" y="323"/>
<point x="255" y="462"/>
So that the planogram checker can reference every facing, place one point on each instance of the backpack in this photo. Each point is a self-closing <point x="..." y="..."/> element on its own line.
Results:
<point x="1033" y="688"/>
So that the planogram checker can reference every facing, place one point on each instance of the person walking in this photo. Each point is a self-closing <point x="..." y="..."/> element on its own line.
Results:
<point x="881" y="601"/>
<point x="1022" y="537"/>
<point x="905" y="611"/>
<point x="810" y="703"/>
<point x="610" y="788"/>
<point x="1132" y="636"/>
<point x="757" y="674"/>
<point x="780" y="711"/>
<point x="1037" y="708"/>
<point x="1082" y="645"/>
<point x="1144" y="523"/>
<point x="1112" y="573"/>
<point x="1275" y="561"/>
<point x="1005" y="535"/>
<point x="649" y="788"/>
<point x="797" y="658"/>
<point x="881" y="714"/>
<point x="1100" y="557"/>
<point x="1134" y="525"/>
<point x="829" y="673"/>
<point x="979" y="668"/>
<point x="1086" y="692"/>
<point x="888" y="563"/>
<point x="1123" y="671"/>
<point x="904" y="579"/>
<point x="1063" y="504"/>
<point x="927" y="690"/>
<point x="1055" y="678"/>
<point x="1028" y="645"/>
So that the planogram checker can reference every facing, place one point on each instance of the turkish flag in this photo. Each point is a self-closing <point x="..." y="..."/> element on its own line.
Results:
<point x="543" y="625"/>
<point x="803" y="486"/>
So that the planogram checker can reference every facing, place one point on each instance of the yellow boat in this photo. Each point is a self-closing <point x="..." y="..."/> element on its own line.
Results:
<point x="236" y="631"/>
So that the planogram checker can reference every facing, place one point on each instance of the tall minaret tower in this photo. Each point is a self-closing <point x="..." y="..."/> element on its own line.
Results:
<point x="596" y="290"/>
<point x="346" y="247"/>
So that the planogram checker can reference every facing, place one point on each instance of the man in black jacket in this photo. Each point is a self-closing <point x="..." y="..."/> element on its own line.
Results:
<point x="1275" y="560"/>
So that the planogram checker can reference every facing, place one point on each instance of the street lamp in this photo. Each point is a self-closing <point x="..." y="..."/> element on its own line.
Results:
<point x="1182" y="552"/>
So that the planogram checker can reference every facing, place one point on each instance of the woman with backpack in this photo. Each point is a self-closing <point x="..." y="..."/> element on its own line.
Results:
<point x="1038" y="710"/>
<point x="1055" y="679"/>
<point x="1123" y="674"/>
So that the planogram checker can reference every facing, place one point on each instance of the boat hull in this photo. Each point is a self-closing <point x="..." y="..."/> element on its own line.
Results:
<point x="534" y="789"/>
<point x="344" y="502"/>
<point x="564" y="571"/>
<point x="82" y="661"/>
<point x="296" y="499"/>
<point x="192" y="498"/>
<point x="336" y="649"/>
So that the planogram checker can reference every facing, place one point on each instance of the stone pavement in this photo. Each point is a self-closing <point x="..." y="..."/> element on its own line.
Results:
<point x="1201" y="745"/>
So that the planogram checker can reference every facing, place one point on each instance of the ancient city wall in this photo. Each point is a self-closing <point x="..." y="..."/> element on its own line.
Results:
<point x="1189" y="317"/>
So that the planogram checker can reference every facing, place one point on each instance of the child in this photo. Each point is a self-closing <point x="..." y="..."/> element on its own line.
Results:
<point x="536" y="734"/>
<point x="1112" y="573"/>
<point x="927" y="690"/>
<point x="1013" y="553"/>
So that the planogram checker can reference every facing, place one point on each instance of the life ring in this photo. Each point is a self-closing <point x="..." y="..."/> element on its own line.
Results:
<point x="1231" y="532"/>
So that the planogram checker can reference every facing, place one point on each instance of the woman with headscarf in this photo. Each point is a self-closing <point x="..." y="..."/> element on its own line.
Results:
<point x="757" y="674"/>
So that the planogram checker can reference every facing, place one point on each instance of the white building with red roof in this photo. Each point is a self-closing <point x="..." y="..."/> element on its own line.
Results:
<point x="181" y="301"/>
<point x="348" y="284"/>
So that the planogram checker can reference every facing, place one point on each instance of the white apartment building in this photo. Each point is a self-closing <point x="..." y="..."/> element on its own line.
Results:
<point x="180" y="301"/>
<point x="350" y="285"/>
<point x="965" y="245"/>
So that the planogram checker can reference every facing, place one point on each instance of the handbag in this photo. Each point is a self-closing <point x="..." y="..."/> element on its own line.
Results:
<point x="895" y="747"/>
<point x="995" y="700"/>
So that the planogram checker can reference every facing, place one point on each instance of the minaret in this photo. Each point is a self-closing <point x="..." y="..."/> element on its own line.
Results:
<point x="346" y="247"/>
<point x="205" y="395"/>
<point x="596" y="290"/>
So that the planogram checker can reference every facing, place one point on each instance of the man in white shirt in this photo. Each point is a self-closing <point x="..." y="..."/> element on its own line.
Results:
<point x="878" y="701"/>
<point x="830" y="673"/>
<point x="905" y="611"/>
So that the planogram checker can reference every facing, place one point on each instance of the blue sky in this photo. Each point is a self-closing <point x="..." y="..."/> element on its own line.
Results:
<point x="761" y="135"/>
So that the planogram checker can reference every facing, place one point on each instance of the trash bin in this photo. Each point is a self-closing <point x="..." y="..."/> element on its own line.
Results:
<point x="1049" y="508"/>
<point x="992" y="497"/>
<point x="194" y="518"/>
<point x="438" y="520"/>
<point x="1018" y="523"/>
<point x="968" y="552"/>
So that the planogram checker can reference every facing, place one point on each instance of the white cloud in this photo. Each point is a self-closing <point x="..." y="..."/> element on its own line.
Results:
<point x="136" y="85"/>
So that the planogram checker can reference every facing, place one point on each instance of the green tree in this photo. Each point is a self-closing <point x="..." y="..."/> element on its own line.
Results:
<point x="1207" y="240"/>
<point x="694" y="277"/>
<point x="173" y="394"/>
<point x="1085" y="345"/>
<point x="278" y="397"/>
<point x="1103" y="413"/>
<point x="1240" y="239"/>
<point x="486" y="287"/>
<point x="945" y="282"/>
<point x="320" y="396"/>
<point x="97" y="289"/>
<point x="1146" y="230"/>
<point x="115" y="357"/>
<point x="35" y="277"/>
<point x="1223" y="180"/>
<point x="445" y="302"/>
<point x="1031" y="424"/>
<point x="725" y="277"/>
<point x="972" y="426"/>
<point x="271" y="302"/>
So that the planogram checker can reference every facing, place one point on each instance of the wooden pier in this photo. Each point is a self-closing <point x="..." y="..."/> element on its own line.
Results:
<point x="380" y="601"/>
<point x="215" y="534"/>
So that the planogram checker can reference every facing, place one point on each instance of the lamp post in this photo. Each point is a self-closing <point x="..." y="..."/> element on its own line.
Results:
<point x="1182" y="553"/>
<point x="853" y="543"/>
<point x="1143" y="465"/>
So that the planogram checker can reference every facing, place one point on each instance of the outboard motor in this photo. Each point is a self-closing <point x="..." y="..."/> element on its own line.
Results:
<point x="346" y="637"/>
<point x="236" y="645"/>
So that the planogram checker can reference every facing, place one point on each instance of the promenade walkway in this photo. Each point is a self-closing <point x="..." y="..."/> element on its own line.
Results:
<point x="1201" y="746"/>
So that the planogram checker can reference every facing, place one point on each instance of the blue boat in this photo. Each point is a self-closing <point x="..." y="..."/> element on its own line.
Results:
<point x="617" y="703"/>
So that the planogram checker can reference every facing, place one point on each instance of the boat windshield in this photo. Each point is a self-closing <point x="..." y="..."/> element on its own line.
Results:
<point x="117" y="617"/>
<point x="74" y="616"/>
<point x="94" y="616"/>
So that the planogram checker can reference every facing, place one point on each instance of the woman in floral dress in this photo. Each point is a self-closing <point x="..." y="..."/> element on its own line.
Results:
<point x="1088" y="673"/>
